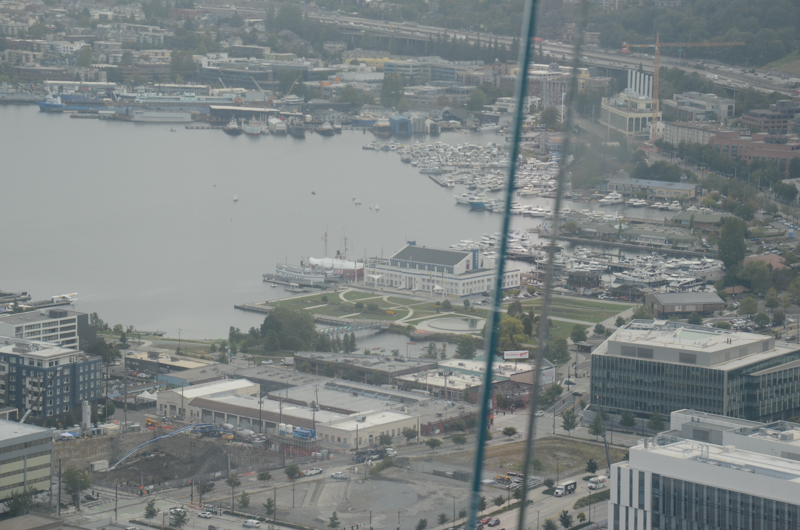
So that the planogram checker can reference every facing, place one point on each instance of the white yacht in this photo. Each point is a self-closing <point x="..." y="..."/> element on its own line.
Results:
<point x="612" y="198"/>
<point x="636" y="203"/>
<point x="675" y="206"/>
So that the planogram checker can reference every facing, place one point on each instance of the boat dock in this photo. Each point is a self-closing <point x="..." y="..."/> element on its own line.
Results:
<point x="204" y="127"/>
<point x="7" y="297"/>
<point x="630" y="246"/>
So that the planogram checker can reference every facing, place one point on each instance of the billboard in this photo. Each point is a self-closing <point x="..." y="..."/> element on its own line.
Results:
<point x="515" y="355"/>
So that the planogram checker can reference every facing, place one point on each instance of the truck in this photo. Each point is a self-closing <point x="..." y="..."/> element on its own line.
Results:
<point x="287" y="361"/>
<point x="566" y="488"/>
<point x="151" y="423"/>
<point x="596" y="483"/>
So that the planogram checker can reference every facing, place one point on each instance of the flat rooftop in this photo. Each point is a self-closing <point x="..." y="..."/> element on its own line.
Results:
<point x="370" y="420"/>
<point x="40" y="315"/>
<point x="203" y="373"/>
<point x="674" y="342"/>
<point x="10" y="430"/>
<point x="726" y="457"/>
<point x="33" y="348"/>
<point x="348" y="397"/>
<point x="499" y="368"/>
<point x="378" y="363"/>
<point x="207" y="390"/>
<point x="437" y="379"/>
<point x="171" y="360"/>
<point x="280" y="374"/>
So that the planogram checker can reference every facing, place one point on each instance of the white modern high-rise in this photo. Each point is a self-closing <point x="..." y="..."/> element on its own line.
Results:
<point x="672" y="483"/>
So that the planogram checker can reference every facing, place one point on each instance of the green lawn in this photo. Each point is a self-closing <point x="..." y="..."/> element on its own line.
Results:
<point x="577" y="309"/>
<point x="352" y="296"/>
<point x="789" y="63"/>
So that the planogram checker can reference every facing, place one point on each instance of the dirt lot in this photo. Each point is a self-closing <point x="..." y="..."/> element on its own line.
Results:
<point x="171" y="466"/>
<point x="572" y="456"/>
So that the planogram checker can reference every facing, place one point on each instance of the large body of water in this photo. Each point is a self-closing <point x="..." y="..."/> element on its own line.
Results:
<point x="141" y="222"/>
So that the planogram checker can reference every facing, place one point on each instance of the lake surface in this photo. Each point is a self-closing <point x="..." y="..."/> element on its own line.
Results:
<point x="141" y="222"/>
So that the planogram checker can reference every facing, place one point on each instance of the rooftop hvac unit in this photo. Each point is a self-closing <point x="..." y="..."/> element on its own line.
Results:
<point x="361" y="418"/>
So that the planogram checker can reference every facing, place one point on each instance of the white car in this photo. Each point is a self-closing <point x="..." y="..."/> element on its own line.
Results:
<point x="176" y="511"/>
<point x="339" y="475"/>
<point x="204" y="515"/>
<point x="312" y="471"/>
<point x="539" y="413"/>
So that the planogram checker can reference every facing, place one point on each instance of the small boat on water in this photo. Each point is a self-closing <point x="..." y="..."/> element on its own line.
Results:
<point x="325" y="129"/>
<point x="52" y="103"/>
<point x="233" y="128"/>
<point x="337" y="127"/>
<point x="252" y="127"/>
<point x="235" y="198"/>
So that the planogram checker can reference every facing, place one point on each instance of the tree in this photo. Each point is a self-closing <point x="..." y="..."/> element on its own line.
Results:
<point x="333" y="521"/>
<point x="772" y="301"/>
<point x="619" y="322"/>
<point x="549" y="483"/>
<point x="565" y="519"/>
<point x="447" y="305"/>
<point x="596" y="428"/>
<point x="466" y="305"/>
<point x="500" y="400"/>
<point x="264" y="476"/>
<point x="223" y="358"/>
<point x="655" y="423"/>
<point x="233" y="482"/>
<point x="515" y="309"/>
<point x="581" y="517"/>
<point x="462" y="513"/>
<point x="477" y="99"/>
<point x="392" y="93"/>
<point x="288" y="329"/>
<point x="509" y="431"/>
<point x="466" y="347"/>
<point x="442" y="519"/>
<point x="499" y="500"/>
<point x="732" y="245"/>
<point x="244" y="499"/>
<point x="628" y="419"/>
<point x="458" y="439"/>
<point x="794" y="168"/>
<point x="550" y="117"/>
<point x="75" y="481"/>
<point x="591" y="466"/>
<point x="578" y="333"/>
<point x="569" y="420"/>
<point x="203" y="488"/>
<point x="292" y="471"/>
<point x="748" y="305"/>
<point x="433" y="443"/>
<point x="599" y="329"/>
<point x="107" y="353"/>
<point x="642" y="313"/>
<point x="385" y="439"/>
<point x="761" y="319"/>
<point x="558" y="351"/>
<point x="180" y="519"/>
<point x="481" y="503"/>
<point x="21" y="502"/>
<point x="409" y="434"/>
<point x="269" y="507"/>
<point x="432" y="351"/>
<point x="422" y="524"/>
<point x="458" y="425"/>
<point x="695" y="318"/>
<point x="778" y="318"/>
<point x="549" y="524"/>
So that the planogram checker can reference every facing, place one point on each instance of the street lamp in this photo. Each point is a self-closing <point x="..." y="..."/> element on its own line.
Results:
<point x="260" y="421"/>
<point x="557" y="471"/>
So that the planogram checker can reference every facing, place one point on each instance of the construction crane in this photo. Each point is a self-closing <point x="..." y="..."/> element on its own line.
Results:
<point x="626" y="49"/>
<point x="289" y="92"/>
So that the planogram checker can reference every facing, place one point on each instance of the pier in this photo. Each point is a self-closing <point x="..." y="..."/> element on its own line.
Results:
<point x="631" y="246"/>
<point x="338" y="325"/>
<point x="204" y="126"/>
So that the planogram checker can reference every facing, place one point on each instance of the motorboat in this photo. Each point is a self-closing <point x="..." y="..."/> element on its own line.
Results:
<point x="612" y="198"/>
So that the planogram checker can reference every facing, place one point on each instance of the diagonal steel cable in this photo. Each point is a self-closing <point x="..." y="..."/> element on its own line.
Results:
<point x="526" y="45"/>
<point x="544" y="318"/>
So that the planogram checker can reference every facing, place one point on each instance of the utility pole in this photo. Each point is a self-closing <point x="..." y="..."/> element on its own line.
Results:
<point x="274" y="503"/>
<point x="116" y="499"/>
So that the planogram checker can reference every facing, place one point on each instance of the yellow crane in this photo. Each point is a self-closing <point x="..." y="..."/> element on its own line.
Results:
<point x="657" y="55"/>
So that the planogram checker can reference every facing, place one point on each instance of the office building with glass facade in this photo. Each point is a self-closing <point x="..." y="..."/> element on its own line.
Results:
<point x="678" y="484"/>
<point x="658" y="366"/>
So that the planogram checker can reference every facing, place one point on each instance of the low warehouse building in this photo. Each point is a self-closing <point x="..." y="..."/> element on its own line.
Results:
<point x="665" y="304"/>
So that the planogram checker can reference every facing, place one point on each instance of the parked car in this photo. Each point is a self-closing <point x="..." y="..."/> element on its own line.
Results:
<point x="91" y="497"/>
<point x="176" y="511"/>
<point x="204" y="515"/>
<point x="485" y="520"/>
<point x="312" y="471"/>
<point x="339" y="475"/>
<point x="494" y="522"/>
<point x="251" y="523"/>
